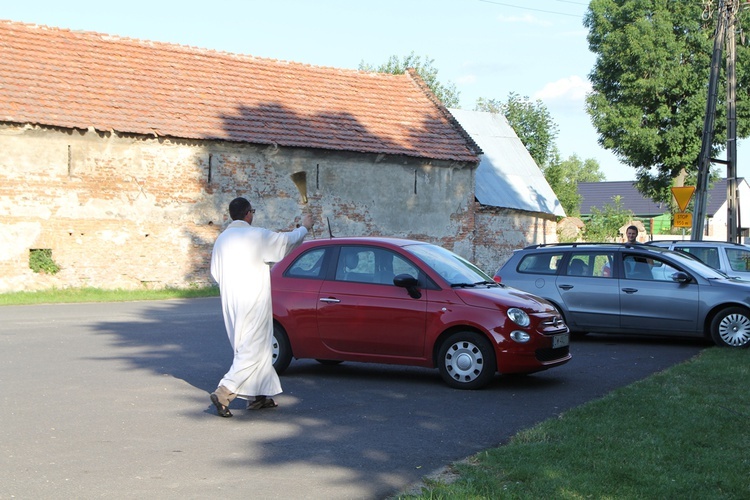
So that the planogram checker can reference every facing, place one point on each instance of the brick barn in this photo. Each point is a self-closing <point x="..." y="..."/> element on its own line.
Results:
<point x="119" y="157"/>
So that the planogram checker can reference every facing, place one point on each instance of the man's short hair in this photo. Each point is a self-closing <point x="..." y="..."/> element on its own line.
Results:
<point x="634" y="228"/>
<point x="238" y="208"/>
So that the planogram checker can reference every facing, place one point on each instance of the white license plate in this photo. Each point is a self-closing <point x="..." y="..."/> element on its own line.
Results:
<point x="561" y="340"/>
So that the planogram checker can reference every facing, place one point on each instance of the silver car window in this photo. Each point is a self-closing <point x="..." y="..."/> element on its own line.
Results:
<point x="540" y="263"/>
<point x="708" y="255"/>
<point x="593" y="264"/>
<point x="739" y="259"/>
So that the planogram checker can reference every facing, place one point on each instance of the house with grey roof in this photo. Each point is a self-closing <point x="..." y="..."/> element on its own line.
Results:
<point x="657" y="217"/>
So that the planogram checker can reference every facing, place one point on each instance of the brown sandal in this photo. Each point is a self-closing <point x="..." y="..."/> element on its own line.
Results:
<point x="222" y="410"/>
<point x="262" y="402"/>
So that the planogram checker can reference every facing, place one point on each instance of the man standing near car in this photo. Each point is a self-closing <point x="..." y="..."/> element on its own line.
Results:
<point x="240" y="264"/>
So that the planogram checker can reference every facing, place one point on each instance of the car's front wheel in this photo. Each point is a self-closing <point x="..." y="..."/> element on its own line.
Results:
<point x="731" y="327"/>
<point x="466" y="360"/>
<point x="282" y="350"/>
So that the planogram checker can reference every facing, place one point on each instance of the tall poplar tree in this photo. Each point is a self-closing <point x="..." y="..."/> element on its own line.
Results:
<point x="650" y="82"/>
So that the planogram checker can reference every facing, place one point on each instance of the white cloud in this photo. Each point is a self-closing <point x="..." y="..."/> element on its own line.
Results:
<point x="572" y="88"/>
<point x="467" y="79"/>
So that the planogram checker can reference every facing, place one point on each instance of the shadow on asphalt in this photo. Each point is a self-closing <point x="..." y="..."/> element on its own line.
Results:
<point x="175" y="339"/>
<point x="380" y="426"/>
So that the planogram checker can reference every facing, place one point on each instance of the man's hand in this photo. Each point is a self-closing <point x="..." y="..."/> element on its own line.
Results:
<point x="307" y="221"/>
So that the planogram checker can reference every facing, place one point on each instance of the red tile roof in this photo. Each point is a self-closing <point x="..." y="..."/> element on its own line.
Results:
<point x="73" y="79"/>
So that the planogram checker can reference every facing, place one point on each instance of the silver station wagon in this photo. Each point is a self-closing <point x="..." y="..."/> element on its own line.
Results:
<point x="633" y="289"/>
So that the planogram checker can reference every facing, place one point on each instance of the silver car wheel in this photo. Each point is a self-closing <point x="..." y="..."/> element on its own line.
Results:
<point x="464" y="361"/>
<point x="734" y="329"/>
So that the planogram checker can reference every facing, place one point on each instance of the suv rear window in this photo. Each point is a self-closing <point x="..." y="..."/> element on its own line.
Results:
<point x="540" y="263"/>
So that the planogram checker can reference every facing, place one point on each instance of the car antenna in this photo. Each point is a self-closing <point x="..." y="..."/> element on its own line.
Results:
<point x="330" y="233"/>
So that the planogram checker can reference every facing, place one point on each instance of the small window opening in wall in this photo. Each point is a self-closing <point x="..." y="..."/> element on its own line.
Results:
<point x="210" y="166"/>
<point x="317" y="176"/>
<point x="40" y="261"/>
<point x="415" y="182"/>
<point x="70" y="163"/>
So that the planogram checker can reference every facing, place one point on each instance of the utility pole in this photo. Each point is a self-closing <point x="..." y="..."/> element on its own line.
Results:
<point x="733" y="234"/>
<point x="726" y="23"/>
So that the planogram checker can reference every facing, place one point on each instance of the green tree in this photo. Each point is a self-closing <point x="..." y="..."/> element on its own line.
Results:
<point x="563" y="177"/>
<point x="650" y="82"/>
<point x="446" y="93"/>
<point x="531" y="121"/>
<point x="604" y="225"/>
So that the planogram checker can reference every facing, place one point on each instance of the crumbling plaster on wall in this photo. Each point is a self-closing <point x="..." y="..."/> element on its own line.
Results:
<point x="127" y="212"/>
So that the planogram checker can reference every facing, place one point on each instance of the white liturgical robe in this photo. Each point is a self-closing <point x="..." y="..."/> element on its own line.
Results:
<point x="240" y="264"/>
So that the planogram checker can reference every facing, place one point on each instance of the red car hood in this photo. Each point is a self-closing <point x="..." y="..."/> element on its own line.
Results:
<point x="504" y="297"/>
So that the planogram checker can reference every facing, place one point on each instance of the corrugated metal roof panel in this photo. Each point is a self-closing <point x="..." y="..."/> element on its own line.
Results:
<point x="507" y="175"/>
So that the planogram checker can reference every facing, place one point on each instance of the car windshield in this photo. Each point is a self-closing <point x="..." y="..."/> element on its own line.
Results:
<point x="453" y="268"/>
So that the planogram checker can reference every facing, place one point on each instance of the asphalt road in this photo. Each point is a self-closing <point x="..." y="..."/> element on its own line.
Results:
<point x="111" y="400"/>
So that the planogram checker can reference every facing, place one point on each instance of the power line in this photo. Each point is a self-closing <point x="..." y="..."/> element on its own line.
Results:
<point x="537" y="10"/>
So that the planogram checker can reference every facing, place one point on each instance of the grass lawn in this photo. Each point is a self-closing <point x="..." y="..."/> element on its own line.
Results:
<point x="682" y="433"/>
<point x="56" y="296"/>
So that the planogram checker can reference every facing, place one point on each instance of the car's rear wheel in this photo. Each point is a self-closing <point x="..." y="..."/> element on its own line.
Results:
<point x="466" y="360"/>
<point x="731" y="327"/>
<point x="282" y="350"/>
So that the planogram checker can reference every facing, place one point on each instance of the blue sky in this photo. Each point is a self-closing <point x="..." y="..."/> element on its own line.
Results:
<point x="487" y="48"/>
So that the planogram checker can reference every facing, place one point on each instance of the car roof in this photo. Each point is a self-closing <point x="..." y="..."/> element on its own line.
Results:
<point x="693" y="243"/>
<point x="581" y="244"/>
<point x="557" y="247"/>
<point x="365" y="240"/>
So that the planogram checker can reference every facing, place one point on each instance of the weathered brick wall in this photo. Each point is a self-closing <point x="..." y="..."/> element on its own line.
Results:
<point x="500" y="231"/>
<point x="128" y="212"/>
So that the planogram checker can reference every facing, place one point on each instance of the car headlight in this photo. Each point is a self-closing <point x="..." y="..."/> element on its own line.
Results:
<point x="518" y="317"/>
<point x="520" y="337"/>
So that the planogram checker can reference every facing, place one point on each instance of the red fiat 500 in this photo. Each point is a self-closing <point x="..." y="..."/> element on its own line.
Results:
<point x="387" y="300"/>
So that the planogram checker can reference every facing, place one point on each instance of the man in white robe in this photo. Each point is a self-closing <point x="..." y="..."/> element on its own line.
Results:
<point x="240" y="265"/>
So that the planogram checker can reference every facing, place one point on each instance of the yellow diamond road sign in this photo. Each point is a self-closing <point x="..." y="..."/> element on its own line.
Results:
<point x="682" y="195"/>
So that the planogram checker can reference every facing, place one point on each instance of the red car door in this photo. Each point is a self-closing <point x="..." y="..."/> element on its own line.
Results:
<point x="361" y="311"/>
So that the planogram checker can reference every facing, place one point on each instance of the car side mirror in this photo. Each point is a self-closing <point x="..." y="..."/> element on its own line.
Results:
<point x="410" y="283"/>
<point x="680" y="277"/>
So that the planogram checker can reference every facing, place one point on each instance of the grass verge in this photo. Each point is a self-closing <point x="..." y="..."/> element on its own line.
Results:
<point x="681" y="433"/>
<point x="56" y="296"/>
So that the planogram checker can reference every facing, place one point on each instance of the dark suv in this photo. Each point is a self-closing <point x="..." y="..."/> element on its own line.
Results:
<point x="730" y="258"/>
<point x="633" y="289"/>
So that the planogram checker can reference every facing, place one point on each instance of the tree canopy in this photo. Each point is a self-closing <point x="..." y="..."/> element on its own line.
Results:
<point x="650" y="82"/>
<point x="563" y="177"/>
<point x="446" y="93"/>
